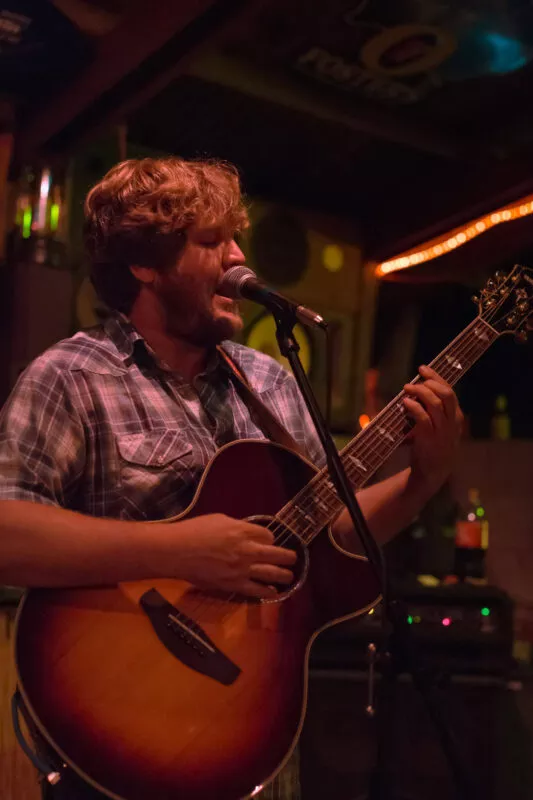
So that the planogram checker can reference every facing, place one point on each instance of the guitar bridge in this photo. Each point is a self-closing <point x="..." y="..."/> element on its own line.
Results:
<point x="186" y="640"/>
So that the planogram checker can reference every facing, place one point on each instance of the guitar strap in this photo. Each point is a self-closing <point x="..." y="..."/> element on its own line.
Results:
<point x="274" y="430"/>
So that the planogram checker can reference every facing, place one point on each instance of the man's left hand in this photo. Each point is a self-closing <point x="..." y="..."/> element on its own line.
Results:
<point x="438" y="426"/>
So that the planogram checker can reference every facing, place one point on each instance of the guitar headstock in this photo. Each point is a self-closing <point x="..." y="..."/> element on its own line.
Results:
<point x="506" y="302"/>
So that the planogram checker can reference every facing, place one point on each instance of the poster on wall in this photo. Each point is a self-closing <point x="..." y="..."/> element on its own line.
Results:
<point x="393" y="53"/>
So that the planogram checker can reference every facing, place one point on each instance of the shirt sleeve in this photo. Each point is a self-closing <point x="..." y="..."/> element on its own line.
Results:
<point x="42" y="442"/>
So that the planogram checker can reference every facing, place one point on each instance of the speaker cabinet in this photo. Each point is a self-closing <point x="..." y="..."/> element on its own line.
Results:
<point x="491" y="724"/>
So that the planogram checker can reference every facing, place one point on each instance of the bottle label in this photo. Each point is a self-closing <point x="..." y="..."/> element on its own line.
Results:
<point x="469" y="534"/>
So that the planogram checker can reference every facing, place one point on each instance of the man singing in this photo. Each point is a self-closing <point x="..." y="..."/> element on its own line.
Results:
<point x="113" y="427"/>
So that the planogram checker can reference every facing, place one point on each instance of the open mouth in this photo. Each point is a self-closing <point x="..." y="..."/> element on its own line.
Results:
<point x="226" y="302"/>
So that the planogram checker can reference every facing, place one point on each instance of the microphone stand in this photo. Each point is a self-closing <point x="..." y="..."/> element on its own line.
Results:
<point x="397" y="648"/>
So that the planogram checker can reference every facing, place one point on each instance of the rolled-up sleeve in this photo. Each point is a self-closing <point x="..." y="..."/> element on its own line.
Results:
<point x="42" y="441"/>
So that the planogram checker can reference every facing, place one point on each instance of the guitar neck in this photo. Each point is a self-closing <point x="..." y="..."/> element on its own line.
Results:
<point x="317" y="504"/>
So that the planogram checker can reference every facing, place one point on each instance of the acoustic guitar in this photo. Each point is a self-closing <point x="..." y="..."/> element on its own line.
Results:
<point x="154" y="690"/>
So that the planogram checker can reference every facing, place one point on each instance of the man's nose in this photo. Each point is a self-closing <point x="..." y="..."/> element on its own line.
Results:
<point x="234" y="255"/>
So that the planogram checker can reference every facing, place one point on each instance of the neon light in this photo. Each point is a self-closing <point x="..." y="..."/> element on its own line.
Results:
<point x="26" y="223"/>
<point x="44" y="190"/>
<point x="507" y="54"/>
<point x="451" y="240"/>
<point x="54" y="216"/>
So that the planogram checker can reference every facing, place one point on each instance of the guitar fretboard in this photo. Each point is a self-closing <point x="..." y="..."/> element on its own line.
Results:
<point x="317" y="504"/>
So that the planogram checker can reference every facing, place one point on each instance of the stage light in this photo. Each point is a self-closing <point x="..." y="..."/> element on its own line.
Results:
<point x="410" y="619"/>
<point x="364" y="420"/>
<point x="446" y="622"/>
<point x="485" y="611"/>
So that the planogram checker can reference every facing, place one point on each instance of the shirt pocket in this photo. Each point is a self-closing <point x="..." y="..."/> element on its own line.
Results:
<point x="155" y="469"/>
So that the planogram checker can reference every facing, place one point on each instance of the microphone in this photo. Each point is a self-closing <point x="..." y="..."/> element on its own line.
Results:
<point x="242" y="282"/>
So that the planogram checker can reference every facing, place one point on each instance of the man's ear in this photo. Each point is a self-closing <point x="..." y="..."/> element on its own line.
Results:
<point x="143" y="274"/>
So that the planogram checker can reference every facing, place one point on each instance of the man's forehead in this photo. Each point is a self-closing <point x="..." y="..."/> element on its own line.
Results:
<point x="216" y="227"/>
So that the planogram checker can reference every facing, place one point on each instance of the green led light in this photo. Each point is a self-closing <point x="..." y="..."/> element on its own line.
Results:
<point x="410" y="619"/>
<point x="485" y="612"/>
<point x="54" y="216"/>
<point x="480" y="511"/>
<point x="26" y="223"/>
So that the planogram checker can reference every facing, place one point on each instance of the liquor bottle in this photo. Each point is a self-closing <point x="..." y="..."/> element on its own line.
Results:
<point x="500" y="424"/>
<point x="471" y="539"/>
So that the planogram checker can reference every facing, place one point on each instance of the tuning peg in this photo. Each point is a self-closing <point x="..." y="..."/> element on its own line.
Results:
<point x="499" y="276"/>
<point x="475" y="299"/>
<point x="521" y="336"/>
<point x="491" y="285"/>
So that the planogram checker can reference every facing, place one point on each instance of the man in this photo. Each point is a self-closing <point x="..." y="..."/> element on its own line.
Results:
<point x="114" y="426"/>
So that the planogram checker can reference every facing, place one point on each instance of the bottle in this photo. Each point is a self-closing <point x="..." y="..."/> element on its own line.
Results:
<point x="471" y="539"/>
<point x="500" y="424"/>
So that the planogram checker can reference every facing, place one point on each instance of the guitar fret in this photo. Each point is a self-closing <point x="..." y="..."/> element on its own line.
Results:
<point x="385" y="433"/>
<point x="318" y="503"/>
<point x="358" y="463"/>
<point x="322" y="504"/>
<point x="453" y="362"/>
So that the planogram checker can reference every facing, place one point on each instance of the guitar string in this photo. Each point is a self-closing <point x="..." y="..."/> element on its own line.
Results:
<point x="465" y="349"/>
<point x="369" y="448"/>
<point x="378" y="451"/>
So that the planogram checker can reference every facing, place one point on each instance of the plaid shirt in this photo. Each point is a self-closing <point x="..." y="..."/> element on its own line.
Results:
<point x="95" y="424"/>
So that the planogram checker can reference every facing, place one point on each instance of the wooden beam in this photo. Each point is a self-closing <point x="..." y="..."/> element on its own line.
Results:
<point x="147" y="27"/>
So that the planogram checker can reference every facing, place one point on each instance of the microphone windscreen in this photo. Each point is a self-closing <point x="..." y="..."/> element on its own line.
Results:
<point x="233" y="280"/>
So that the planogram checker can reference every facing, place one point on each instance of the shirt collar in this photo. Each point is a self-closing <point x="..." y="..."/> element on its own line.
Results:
<point x="123" y="334"/>
<point x="132" y="345"/>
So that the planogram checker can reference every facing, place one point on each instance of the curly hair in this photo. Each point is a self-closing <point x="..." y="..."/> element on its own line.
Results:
<point x="138" y="214"/>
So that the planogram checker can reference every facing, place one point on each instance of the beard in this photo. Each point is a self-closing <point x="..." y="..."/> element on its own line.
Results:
<point x="190" y="313"/>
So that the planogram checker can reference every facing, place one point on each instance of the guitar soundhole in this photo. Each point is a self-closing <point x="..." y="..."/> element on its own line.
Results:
<point x="284" y="537"/>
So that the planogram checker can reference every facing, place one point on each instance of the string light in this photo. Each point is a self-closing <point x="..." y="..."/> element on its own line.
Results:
<point x="456" y="238"/>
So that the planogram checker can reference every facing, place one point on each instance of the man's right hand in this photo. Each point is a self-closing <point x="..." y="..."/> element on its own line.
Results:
<point x="217" y="552"/>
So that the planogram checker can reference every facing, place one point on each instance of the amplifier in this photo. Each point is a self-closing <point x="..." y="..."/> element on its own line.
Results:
<point x="460" y="628"/>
